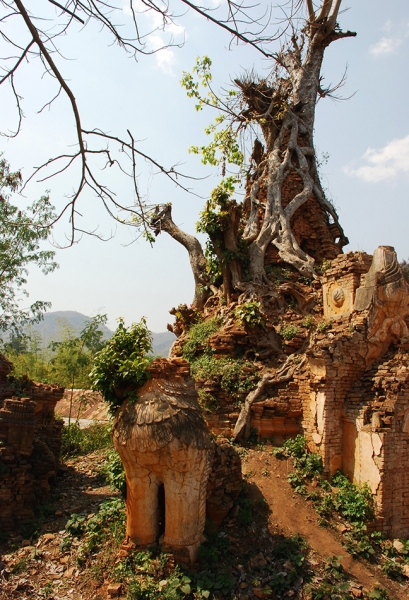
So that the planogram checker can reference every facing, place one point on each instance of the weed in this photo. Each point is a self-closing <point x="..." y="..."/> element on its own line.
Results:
<point x="308" y="322"/>
<point x="289" y="331"/>
<point x="76" y="524"/>
<point x="114" y="472"/>
<point x="323" y="267"/>
<point x="123" y="363"/>
<point x="260" y="447"/>
<point x="379" y="593"/>
<point x="246" y="504"/>
<point x="207" y="401"/>
<point x="235" y="376"/>
<point x="354" y="502"/>
<point x="47" y="589"/>
<point x="358" y="543"/>
<point x="65" y="544"/>
<point x="250" y="313"/>
<point x="197" y="338"/>
<point x="278" y="274"/>
<point x="20" y="566"/>
<point x="392" y="569"/>
<point x="81" y="441"/>
<point x="323" y="326"/>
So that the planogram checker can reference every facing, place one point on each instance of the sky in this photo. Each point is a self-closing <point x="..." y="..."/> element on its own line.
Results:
<point x="363" y="142"/>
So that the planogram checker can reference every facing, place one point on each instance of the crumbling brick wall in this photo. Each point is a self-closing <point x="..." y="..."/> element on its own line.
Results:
<point x="376" y="438"/>
<point x="30" y="441"/>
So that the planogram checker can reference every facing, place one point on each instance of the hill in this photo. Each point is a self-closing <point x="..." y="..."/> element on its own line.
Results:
<point x="52" y="328"/>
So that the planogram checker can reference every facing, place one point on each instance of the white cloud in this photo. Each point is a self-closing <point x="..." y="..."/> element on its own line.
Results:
<point x="385" y="46"/>
<point x="160" y="35"/>
<point x="388" y="26"/>
<point x="387" y="163"/>
<point x="165" y="57"/>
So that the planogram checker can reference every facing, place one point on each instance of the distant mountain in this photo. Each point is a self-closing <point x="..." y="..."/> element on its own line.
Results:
<point x="52" y="327"/>
<point x="162" y="342"/>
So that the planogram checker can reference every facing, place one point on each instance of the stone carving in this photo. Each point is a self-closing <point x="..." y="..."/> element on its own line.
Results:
<point x="338" y="297"/>
<point x="163" y="440"/>
<point x="385" y="294"/>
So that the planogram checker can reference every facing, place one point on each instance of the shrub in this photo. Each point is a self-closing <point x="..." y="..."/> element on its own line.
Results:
<point x="82" y="441"/>
<point x="308" y="322"/>
<point x="289" y="331"/>
<point x="250" y="313"/>
<point x="114" y="472"/>
<point x="354" y="502"/>
<point x="228" y="372"/>
<point x="207" y="401"/>
<point x="122" y="365"/>
<point x="198" y="336"/>
<point x="323" y="326"/>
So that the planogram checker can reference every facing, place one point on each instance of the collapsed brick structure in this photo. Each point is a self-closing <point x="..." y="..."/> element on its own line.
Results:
<point x="30" y="441"/>
<point x="346" y="374"/>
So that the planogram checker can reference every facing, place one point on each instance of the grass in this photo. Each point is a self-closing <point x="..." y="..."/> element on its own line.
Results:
<point x="77" y="441"/>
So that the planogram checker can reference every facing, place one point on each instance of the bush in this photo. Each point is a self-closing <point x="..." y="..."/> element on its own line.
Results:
<point x="354" y="502"/>
<point x="114" y="472"/>
<point x="198" y="336"/>
<point x="82" y="441"/>
<point x="289" y="331"/>
<point x="228" y="372"/>
<point x="250" y="313"/>
<point x="123" y="365"/>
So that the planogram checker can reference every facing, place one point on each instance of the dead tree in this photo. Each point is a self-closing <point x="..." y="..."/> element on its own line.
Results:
<point x="282" y="107"/>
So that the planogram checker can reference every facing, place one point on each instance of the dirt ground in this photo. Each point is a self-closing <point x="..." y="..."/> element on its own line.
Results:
<point x="291" y="514"/>
<point x="39" y="567"/>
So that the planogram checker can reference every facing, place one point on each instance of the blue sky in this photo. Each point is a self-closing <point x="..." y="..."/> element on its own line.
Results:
<point x="366" y="138"/>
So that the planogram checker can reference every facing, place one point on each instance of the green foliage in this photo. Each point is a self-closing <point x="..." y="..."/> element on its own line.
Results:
<point x="74" y="355"/>
<point x="21" y="235"/>
<point x="358" y="542"/>
<point x="122" y="365"/>
<point x="227" y="372"/>
<point x="207" y="401"/>
<point x="354" y="502"/>
<point x="323" y="326"/>
<point x="28" y="356"/>
<point x="76" y="524"/>
<point x="278" y="274"/>
<point x="225" y="146"/>
<point x="246" y="504"/>
<point x="214" y="217"/>
<point x="289" y="551"/>
<point x="308" y="322"/>
<point x="109" y="520"/>
<point x="114" y="472"/>
<point x="323" y="267"/>
<point x="307" y="464"/>
<point x="250" y="313"/>
<point x="198" y="336"/>
<point x="333" y="585"/>
<point x="379" y="593"/>
<point x="289" y="331"/>
<point x="82" y="441"/>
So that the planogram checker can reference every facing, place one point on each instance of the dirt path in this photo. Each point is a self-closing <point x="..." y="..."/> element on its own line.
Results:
<point x="291" y="514"/>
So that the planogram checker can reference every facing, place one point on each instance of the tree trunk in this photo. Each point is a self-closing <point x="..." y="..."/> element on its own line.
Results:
<point x="162" y="221"/>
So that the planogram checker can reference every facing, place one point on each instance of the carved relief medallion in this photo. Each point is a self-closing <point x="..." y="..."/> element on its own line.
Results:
<point x="338" y="296"/>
